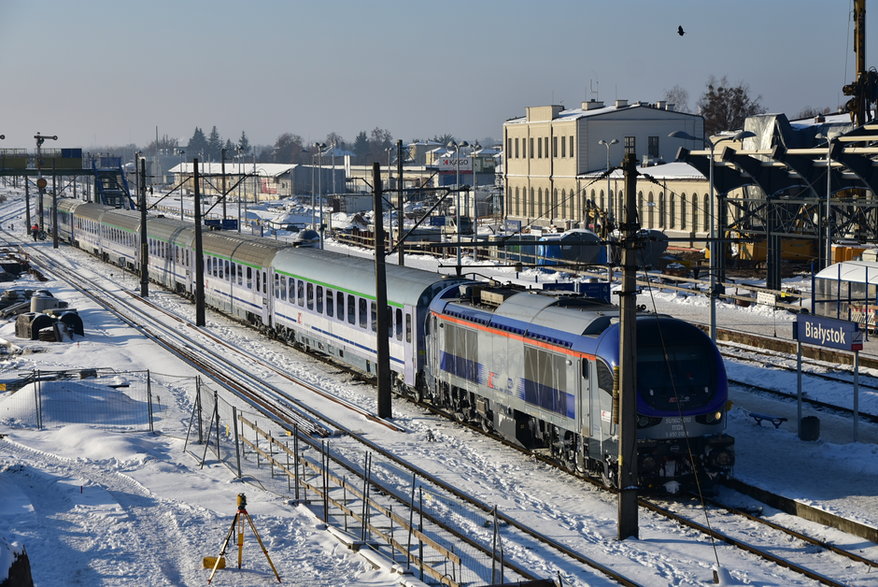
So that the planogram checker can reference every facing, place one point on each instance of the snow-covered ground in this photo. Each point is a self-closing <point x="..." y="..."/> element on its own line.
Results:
<point x="99" y="505"/>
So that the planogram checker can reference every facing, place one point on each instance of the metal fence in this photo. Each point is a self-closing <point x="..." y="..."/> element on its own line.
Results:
<point x="45" y="399"/>
<point x="365" y="499"/>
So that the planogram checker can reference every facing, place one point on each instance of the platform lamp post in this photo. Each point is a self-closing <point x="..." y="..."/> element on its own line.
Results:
<point x="715" y="251"/>
<point x="181" y="152"/>
<point x="457" y="147"/>
<point x="319" y="148"/>
<point x="607" y="144"/>
<point x="828" y="244"/>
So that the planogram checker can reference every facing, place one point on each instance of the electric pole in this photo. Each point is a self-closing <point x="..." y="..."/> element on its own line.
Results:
<point x="399" y="215"/>
<point x="628" y="357"/>
<point x="382" y="344"/>
<point x="144" y="244"/>
<point x="199" y="250"/>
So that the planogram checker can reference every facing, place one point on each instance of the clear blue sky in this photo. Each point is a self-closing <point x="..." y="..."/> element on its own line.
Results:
<point x="101" y="72"/>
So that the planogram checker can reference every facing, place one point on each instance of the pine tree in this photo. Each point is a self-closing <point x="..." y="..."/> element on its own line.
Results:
<point x="361" y="148"/>
<point x="214" y="144"/>
<point x="197" y="146"/>
<point x="243" y="143"/>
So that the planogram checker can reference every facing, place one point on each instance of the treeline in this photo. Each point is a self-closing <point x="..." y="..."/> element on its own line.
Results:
<point x="287" y="148"/>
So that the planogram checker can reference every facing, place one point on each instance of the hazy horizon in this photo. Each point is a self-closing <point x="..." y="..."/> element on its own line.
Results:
<point x="106" y="73"/>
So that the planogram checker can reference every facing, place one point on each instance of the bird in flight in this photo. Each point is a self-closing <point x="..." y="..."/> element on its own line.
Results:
<point x="680" y="31"/>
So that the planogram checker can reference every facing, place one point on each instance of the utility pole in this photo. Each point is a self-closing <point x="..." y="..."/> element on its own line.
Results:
<point x="54" y="206"/>
<point x="399" y="215"/>
<point x="382" y="344"/>
<point x="628" y="358"/>
<point x="223" y="171"/>
<point x="199" y="249"/>
<point x="144" y="245"/>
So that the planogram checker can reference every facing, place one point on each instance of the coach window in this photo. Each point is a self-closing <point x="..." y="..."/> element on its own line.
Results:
<point x="339" y="302"/>
<point x="352" y="310"/>
<point x="319" y="299"/>
<point x="398" y="324"/>
<point x="373" y="315"/>
<point x="291" y="287"/>
<point x="362" y="310"/>
<point x="408" y="327"/>
<point x="330" y="303"/>
<point x="277" y="286"/>
<point x="309" y="296"/>
<point x="249" y="277"/>
<point x="300" y="292"/>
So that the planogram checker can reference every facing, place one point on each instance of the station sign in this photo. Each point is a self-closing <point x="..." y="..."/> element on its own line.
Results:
<point x="828" y="332"/>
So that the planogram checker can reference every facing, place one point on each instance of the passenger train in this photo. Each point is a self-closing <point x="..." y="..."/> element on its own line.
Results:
<point x="538" y="369"/>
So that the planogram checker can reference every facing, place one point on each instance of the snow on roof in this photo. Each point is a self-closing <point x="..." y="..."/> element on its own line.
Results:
<point x="235" y="168"/>
<point x="855" y="271"/>
<point x="674" y="170"/>
<point x="577" y="113"/>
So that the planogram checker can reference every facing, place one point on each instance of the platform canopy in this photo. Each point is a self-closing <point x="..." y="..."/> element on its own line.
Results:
<point x="851" y="271"/>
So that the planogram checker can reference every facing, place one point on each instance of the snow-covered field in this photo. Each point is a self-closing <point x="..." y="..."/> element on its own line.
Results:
<point x="99" y="505"/>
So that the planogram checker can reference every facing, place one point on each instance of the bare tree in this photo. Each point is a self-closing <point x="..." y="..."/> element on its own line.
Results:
<point x="679" y="97"/>
<point x="724" y="107"/>
<point x="811" y="112"/>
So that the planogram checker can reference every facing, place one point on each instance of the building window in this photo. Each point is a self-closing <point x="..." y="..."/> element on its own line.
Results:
<point x="683" y="211"/>
<point x="531" y="147"/>
<point x="706" y="208"/>
<point x="571" y="146"/>
<point x="539" y="148"/>
<point x="554" y="147"/>
<point x="516" y="148"/>
<point x="661" y="210"/>
<point x="509" y="146"/>
<point x="653" y="147"/>
<point x="563" y="148"/>
<point x="631" y="146"/>
<point x="524" y="148"/>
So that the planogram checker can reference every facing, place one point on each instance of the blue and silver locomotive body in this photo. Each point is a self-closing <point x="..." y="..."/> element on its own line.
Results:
<point x="541" y="371"/>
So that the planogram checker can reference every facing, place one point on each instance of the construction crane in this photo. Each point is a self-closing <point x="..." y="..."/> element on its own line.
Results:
<point x="864" y="89"/>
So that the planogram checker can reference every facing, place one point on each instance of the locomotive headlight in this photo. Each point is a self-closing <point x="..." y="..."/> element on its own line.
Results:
<point x="710" y="418"/>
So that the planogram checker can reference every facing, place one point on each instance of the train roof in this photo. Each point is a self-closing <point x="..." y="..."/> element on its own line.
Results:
<point x="405" y="285"/>
<point x="249" y="250"/>
<point x="170" y="230"/>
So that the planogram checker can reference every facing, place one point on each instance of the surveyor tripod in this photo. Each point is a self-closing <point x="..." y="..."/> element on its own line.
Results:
<point x="238" y="522"/>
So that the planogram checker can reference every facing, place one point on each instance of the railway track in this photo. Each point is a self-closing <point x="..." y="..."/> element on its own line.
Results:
<point x="336" y="428"/>
<point x="292" y="414"/>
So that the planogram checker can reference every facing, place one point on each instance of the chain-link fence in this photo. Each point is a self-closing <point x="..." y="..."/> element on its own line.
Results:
<point x="45" y="399"/>
<point x="368" y="500"/>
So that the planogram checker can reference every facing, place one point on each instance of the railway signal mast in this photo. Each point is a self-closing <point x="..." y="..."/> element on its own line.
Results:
<point x="627" y="457"/>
